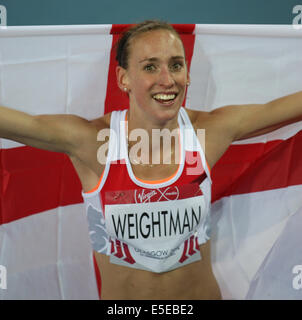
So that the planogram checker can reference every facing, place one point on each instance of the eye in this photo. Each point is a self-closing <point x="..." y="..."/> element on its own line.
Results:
<point x="177" y="66"/>
<point x="149" y="67"/>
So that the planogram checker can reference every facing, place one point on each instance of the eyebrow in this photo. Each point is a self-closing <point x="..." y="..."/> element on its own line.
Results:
<point x="156" y="59"/>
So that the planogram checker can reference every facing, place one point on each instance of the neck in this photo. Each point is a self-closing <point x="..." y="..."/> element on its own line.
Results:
<point x="149" y="122"/>
<point x="152" y="142"/>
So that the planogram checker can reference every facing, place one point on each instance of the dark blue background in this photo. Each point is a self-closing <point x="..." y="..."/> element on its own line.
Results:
<point x="58" y="12"/>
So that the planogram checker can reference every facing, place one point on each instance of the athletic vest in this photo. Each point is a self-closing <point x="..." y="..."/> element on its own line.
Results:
<point x="150" y="225"/>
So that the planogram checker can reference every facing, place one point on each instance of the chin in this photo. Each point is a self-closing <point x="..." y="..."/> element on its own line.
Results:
<point x="167" y="113"/>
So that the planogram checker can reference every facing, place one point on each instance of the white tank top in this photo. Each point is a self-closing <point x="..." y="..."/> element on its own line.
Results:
<point x="151" y="225"/>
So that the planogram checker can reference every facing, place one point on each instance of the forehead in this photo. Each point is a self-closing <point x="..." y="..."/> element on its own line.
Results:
<point x="161" y="44"/>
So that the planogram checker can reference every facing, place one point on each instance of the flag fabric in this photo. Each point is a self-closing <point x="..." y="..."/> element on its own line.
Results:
<point x="257" y="184"/>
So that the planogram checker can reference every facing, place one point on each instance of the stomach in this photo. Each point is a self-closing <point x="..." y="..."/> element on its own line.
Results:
<point x="194" y="281"/>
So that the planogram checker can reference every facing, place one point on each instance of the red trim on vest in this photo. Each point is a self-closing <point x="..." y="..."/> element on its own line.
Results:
<point x="97" y="276"/>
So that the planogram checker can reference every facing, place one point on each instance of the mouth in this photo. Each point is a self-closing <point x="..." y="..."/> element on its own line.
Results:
<point x="165" y="98"/>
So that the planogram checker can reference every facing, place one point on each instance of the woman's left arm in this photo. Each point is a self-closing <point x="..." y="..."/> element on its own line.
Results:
<point x="256" y="119"/>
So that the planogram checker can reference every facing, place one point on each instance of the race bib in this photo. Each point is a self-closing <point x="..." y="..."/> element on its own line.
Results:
<point x="155" y="229"/>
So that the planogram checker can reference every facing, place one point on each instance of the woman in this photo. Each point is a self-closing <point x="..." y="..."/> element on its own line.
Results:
<point x="148" y="219"/>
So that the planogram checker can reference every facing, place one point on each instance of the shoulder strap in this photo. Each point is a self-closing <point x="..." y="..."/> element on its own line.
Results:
<point x="192" y="142"/>
<point x="116" y="150"/>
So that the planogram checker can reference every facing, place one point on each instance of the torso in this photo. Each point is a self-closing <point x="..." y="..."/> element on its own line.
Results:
<point x="193" y="281"/>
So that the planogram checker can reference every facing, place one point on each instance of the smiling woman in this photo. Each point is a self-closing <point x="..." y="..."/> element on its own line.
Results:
<point x="155" y="75"/>
<point x="173" y="220"/>
<point x="149" y="222"/>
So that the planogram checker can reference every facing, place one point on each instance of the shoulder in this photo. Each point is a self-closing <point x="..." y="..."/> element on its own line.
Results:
<point x="87" y="130"/>
<point x="218" y="135"/>
<point x="85" y="154"/>
<point x="199" y="119"/>
<point x="74" y="123"/>
<point x="102" y="122"/>
<point x="84" y="133"/>
<point x="219" y="119"/>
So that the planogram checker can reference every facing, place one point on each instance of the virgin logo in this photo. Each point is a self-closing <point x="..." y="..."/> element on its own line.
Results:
<point x="164" y="194"/>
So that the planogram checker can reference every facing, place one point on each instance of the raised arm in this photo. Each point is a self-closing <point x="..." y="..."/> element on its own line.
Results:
<point x="252" y="120"/>
<point x="230" y="123"/>
<point x="60" y="133"/>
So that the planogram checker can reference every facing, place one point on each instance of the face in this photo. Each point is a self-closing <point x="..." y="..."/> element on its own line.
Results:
<point x="156" y="77"/>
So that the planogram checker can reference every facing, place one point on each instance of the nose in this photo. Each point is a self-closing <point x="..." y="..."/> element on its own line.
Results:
<point x="166" y="78"/>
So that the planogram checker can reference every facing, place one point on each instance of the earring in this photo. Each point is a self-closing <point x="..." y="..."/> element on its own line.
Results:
<point x="188" y="83"/>
<point x="125" y="89"/>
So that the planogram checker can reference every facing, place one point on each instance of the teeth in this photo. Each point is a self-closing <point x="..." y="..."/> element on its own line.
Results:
<point x="161" y="96"/>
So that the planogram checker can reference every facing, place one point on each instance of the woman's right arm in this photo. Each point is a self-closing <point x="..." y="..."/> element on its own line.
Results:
<point x="60" y="133"/>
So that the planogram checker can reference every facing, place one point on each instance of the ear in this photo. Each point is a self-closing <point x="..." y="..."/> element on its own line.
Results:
<point x="188" y="75"/>
<point x="188" y="79"/>
<point x="122" y="78"/>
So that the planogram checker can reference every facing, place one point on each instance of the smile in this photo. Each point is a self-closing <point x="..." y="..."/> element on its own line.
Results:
<point x="165" y="98"/>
